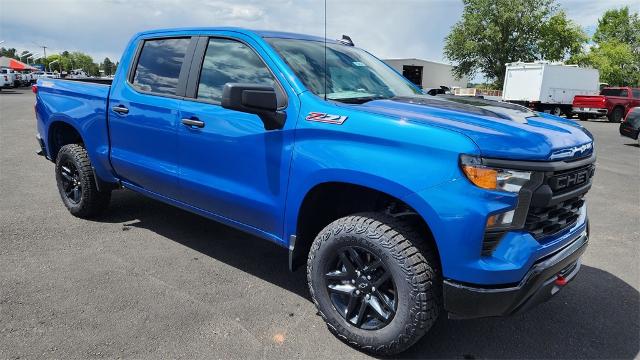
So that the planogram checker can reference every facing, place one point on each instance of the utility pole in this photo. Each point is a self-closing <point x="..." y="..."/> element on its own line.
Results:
<point x="44" y="52"/>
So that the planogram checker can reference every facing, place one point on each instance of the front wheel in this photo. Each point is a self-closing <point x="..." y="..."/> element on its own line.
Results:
<point x="76" y="183"/>
<point x="375" y="282"/>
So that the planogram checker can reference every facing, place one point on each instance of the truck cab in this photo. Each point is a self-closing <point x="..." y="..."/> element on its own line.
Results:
<point x="401" y="206"/>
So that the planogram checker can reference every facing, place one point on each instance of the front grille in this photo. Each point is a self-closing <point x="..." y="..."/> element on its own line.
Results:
<point x="549" y="203"/>
<point x="546" y="221"/>
<point x="564" y="181"/>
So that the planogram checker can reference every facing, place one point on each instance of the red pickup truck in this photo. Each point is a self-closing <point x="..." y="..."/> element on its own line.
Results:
<point x="613" y="102"/>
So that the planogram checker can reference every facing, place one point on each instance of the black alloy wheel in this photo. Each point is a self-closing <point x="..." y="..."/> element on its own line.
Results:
<point x="71" y="183"/>
<point x="361" y="288"/>
<point x="77" y="184"/>
<point x="375" y="281"/>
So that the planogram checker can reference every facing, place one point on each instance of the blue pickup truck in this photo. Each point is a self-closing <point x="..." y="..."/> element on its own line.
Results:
<point x="403" y="206"/>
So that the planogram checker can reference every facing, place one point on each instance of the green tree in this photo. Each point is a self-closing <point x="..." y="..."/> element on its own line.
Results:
<point x="618" y="25"/>
<point x="617" y="63"/>
<point x="493" y="33"/>
<point x="10" y="52"/>
<point x="560" y="38"/>
<point x="615" y="51"/>
<point x="107" y="66"/>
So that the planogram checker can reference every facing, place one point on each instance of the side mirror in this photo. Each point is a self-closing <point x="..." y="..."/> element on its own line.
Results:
<point x="254" y="99"/>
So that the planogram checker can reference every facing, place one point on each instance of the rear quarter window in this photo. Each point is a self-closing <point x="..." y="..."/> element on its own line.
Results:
<point x="159" y="64"/>
<point x="612" y="92"/>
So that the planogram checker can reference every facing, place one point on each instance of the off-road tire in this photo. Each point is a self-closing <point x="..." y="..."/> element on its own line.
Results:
<point x="616" y="115"/>
<point x="414" y="268"/>
<point x="92" y="202"/>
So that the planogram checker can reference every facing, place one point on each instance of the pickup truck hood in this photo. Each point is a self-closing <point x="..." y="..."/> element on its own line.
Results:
<point x="500" y="130"/>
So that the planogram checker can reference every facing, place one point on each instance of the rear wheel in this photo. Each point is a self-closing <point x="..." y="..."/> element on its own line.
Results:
<point x="374" y="282"/>
<point x="76" y="183"/>
<point x="556" y="110"/>
<point x="616" y="115"/>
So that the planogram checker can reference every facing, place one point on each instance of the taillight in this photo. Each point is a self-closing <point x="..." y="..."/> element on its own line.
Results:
<point x="34" y="89"/>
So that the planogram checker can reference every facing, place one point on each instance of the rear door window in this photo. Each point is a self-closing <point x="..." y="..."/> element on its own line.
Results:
<point x="636" y="93"/>
<point x="611" y="92"/>
<point x="159" y="64"/>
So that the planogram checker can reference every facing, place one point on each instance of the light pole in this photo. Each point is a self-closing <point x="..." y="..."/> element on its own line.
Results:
<point x="59" y="65"/>
<point x="24" y="54"/>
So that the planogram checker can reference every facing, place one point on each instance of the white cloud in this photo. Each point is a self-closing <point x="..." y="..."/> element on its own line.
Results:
<point x="387" y="28"/>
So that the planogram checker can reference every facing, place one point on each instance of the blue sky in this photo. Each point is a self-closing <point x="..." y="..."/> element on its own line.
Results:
<point x="389" y="29"/>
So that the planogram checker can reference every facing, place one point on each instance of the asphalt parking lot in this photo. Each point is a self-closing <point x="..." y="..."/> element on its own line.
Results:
<point x="147" y="280"/>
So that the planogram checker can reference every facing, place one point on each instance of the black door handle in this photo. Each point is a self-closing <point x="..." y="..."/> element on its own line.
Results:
<point x="193" y="122"/>
<point x="120" y="109"/>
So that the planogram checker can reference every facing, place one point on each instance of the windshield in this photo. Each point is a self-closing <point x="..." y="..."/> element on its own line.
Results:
<point x="353" y="75"/>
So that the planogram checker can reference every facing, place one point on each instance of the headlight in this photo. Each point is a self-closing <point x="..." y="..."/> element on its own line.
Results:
<point x="493" y="178"/>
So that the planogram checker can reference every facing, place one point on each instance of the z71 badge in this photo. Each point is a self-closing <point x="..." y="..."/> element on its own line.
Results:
<point x="326" y="118"/>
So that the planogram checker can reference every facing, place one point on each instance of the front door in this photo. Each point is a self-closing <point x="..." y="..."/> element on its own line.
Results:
<point x="229" y="164"/>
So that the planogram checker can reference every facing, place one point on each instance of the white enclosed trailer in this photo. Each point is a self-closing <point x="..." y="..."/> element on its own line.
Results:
<point x="548" y="87"/>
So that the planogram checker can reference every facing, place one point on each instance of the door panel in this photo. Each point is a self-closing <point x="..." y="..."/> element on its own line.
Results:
<point x="144" y="117"/>
<point x="232" y="166"/>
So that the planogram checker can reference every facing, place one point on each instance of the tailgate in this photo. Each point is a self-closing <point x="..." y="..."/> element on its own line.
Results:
<point x="589" y="101"/>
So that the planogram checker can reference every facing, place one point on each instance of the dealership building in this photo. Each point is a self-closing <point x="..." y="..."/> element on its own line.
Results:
<point x="427" y="74"/>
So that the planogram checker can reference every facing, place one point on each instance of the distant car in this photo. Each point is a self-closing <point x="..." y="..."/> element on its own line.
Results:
<point x="25" y="78"/>
<point x="630" y="127"/>
<point x="613" y="102"/>
<point x="12" y="76"/>
<point x="437" y="91"/>
<point x="46" y="75"/>
<point x="5" y="81"/>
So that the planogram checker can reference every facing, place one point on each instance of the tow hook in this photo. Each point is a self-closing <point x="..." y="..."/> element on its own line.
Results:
<point x="561" y="280"/>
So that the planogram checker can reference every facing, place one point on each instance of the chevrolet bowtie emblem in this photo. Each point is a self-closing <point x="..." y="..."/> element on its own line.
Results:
<point x="571" y="152"/>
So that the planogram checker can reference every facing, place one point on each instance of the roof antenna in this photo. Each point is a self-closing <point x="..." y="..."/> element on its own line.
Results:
<point x="325" y="50"/>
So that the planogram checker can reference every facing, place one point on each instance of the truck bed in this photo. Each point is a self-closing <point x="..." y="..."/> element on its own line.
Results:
<point x="83" y="105"/>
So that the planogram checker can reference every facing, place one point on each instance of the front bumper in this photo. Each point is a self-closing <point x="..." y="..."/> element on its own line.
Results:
<point x="629" y="131"/>
<point x="545" y="278"/>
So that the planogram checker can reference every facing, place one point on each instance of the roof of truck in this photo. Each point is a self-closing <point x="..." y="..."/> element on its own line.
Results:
<point x="260" y="33"/>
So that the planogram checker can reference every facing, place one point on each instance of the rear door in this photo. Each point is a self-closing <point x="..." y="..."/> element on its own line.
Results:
<point x="231" y="166"/>
<point x="144" y="115"/>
